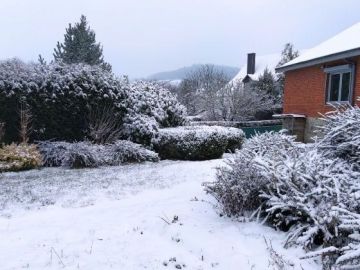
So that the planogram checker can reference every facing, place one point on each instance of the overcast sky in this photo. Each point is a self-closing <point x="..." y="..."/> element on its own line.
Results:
<point x="141" y="37"/>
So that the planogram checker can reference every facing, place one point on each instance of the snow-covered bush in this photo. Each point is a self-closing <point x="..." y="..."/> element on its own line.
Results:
<point x="240" y="182"/>
<point x="301" y="189"/>
<point x="73" y="155"/>
<point x="18" y="157"/>
<point x="344" y="252"/>
<point x="128" y="152"/>
<point x="300" y="193"/>
<point x="149" y="107"/>
<point x="86" y="154"/>
<point x="341" y="135"/>
<point x="140" y="128"/>
<point x="76" y="102"/>
<point x="196" y="142"/>
<point x="58" y="96"/>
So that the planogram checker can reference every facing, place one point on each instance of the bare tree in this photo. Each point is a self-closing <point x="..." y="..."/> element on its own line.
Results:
<point x="240" y="104"/>
<point x="199" y="92"/>
<point x="25" y="122"/>
<point x="103" y="125"/>
<point x="187" y="95"/>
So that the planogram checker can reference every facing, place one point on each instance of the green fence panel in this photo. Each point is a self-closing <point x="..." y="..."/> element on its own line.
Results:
<point x="251" y="131"/>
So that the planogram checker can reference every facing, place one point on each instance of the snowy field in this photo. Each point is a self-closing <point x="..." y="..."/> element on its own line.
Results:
<point x="147" y="216"/>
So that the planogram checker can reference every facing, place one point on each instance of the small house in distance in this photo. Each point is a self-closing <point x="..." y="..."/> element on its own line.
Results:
<point x="319" y="79"/>
<point x="255" y="66"/>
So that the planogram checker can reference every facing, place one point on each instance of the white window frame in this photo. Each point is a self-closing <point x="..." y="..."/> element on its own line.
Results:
<point x="339" y="70"/>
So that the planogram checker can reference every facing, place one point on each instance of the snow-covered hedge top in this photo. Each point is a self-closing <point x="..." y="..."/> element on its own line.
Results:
<point x="197" y="142"/>
<point x="57" y="79"/>
<point x="275" y="144"/>
<point x="201" y="132"/>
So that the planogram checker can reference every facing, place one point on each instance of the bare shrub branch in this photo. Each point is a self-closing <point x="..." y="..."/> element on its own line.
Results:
<point x="25" y="123"/>
<point x="103" y="125"/>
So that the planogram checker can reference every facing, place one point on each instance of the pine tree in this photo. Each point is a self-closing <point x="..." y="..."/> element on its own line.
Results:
<point x="80" y="46"/>
<point x="41" y="60"/>
<point x="287" y="54"/>
<point x="267" y="83"/>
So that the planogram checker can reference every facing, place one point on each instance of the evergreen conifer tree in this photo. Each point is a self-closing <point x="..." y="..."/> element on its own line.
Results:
<point x="267" y="83"/>
<point x="80" y="46"/>
<point x="287" y="54"/>
<point x="41" y="60"/>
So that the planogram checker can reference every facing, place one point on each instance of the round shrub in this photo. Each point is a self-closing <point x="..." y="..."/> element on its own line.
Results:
<point x="19" y="157"/>
<point x="128" y="152"/>
<point x="149" y="107"/>
<point x="196" y="142"/>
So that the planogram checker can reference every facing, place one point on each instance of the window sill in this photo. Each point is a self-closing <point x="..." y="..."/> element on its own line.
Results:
<point x="338" y="103"/>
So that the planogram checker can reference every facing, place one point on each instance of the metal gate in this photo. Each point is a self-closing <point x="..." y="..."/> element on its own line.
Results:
<point x="251" y="131"/>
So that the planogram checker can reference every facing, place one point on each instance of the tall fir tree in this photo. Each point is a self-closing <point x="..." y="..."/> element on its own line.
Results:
<point x="267" y="83"/>
<point x="287" y="54"/>
<point x="80" y="46"/>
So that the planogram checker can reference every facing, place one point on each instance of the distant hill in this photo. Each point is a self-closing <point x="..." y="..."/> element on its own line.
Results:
<point x="180" y="74"/>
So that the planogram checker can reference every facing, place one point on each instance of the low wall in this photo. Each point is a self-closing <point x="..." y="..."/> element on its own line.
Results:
<point x="238" y="124"/>
<point x="250" y="128"/>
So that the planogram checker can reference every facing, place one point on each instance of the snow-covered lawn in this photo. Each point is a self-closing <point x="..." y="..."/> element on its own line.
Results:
<point x="147" y="216"/>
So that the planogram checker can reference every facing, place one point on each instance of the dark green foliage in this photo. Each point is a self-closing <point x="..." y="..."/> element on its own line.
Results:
<point x="196" y="143"/>
<point x="59" y="97"/>
<point x="80" y="46"/>
<point x="288" y="54"/>
<point x="267" y="83"/>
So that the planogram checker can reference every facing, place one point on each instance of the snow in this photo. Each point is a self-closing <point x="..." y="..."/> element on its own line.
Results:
<point x="262" y="62"/>
<point x="172" y="82"/>
<point x="284" y="115"/>
<point x="344" y="41"/>
<point x="128" y="221"/>
<point x="202" y="131"/>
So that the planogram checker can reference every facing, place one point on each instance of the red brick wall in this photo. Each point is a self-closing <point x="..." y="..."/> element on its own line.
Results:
<point x="305" y="90"/>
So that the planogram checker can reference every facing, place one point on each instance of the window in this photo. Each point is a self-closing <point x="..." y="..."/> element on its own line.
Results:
<point x="339" y="86"/>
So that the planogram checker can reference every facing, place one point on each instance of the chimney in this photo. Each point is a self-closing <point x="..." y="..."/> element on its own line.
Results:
<point x="251" y="63"/>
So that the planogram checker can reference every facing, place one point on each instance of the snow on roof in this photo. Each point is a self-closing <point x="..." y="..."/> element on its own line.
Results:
<point x="262" y="62"/>
<point x="348" y="39"/>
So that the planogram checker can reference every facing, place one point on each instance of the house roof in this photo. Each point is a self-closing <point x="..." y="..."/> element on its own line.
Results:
<point x="262" y="62"/>
<point x="343" y="45"/>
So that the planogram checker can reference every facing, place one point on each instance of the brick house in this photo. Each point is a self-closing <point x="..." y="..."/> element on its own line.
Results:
<point x="320" y="78"/>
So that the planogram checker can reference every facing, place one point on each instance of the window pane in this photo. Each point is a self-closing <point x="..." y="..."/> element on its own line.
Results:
<point x="345" y="88"/>
<point x="334" y="87"/>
